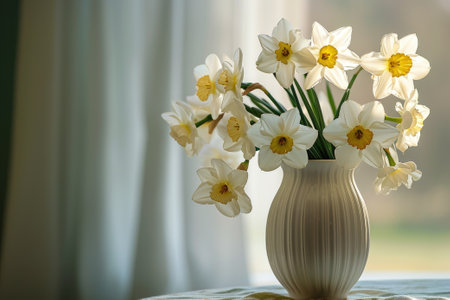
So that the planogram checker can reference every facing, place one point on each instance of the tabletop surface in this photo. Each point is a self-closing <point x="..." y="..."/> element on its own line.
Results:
<point x="377" y="289"/>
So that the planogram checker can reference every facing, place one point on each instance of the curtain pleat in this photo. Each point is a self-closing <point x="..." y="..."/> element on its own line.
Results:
<point x="100" y="196"/>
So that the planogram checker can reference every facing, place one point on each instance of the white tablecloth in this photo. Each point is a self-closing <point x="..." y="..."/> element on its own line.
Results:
<point x="378" y="289"/>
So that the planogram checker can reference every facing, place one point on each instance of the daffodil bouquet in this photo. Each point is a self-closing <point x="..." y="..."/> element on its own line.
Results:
<point x="231" y="112"/>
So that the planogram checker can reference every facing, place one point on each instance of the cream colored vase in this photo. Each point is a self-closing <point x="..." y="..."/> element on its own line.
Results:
<point x="317" y="235"/>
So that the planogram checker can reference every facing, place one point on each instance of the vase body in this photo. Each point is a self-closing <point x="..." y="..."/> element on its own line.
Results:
<point x="317" y="234"/>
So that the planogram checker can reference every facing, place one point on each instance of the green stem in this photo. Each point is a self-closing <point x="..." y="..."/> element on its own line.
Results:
<point x="303" y="119"/>
<point x="280" y="106"/>
<point x="254" y="111"/>
<point x="316" y="106"/>
<point x="331" y="98"/>
<point x="263" y="102"/>
<point x="390" y="158"/>
<point x="245" y="85"/>
<point x="255" y="101"/>
<point x="203" y="121"/>
<point x="327" y="147"/>
<point x="393" y="119"/>
<point x="307" y="105"/>
<point x="347" y="92"/>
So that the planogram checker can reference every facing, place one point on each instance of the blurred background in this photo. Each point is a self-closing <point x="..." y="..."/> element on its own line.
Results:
<point x="96" y="197"/>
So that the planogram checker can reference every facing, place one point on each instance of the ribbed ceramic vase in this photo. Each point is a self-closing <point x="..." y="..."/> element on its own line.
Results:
<point x="317" y="235"/>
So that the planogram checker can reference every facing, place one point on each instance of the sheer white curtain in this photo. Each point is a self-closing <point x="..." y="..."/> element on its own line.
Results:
<point x="99" y="203"/>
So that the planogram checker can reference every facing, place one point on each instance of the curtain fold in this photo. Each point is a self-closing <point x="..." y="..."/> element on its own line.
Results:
<point x="100" y="197"/>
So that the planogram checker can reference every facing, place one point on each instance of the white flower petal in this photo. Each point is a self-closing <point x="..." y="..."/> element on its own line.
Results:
<point x="206" y="174"/>
<point x="267" y="63"/>
<point x="348" y="59"/>
<point x="305" y="60"/>
<point x="270" y="124"/>
<point x="296" y="158"/>
<point x="389" y="44"/>
<point x="221" y="168"/>
<point x="349" y="113"/>
<point x="423" y="110"/>
<point x="320" y="36"/>
<point x="371" y="112"/>
<point x="374" y="63"/>
<point x="402" y="86"/>
<point x="202" y="194"/>
<point x="336" y="132"/>
<point x="305" y="137"/>
<point x="213" y="63"/>
<point x="373" y="156"/>
<point x="200" y="71"/>
<point x="406" y="141"/>
<point x="237" y="59"/>
<point x="290" y="119"/>
<point x="420" y="68"/>
<point x="285" y="74"/>
<point x="382" y="85"/>
<point x="231" y="146"/>
<point x="348" y="156"/>
<point x="314" y="76"/>
<point x="340" y="38"/>
<point x="408" y="44"/>
<point x="281" y="31"/>
<point x="337" y="77"/>
<point x="248" y="149"/>
<point x="298" y="41"/>
<point x="268" y="43"/>
<point x="384" y="134"/>
<point x="170" y="118"/>
<point x="254" y="133"/>
<point x="244" y="201"/>
<point x="231" y="209"/>
<point x="267" y="160"/>
<point x="237" y="178"/>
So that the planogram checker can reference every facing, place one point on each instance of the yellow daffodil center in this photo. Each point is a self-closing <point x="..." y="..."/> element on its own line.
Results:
<point x="205" y="87"/>
<point x="328" y="56"/>
<point x="234" y="128"/>
<point x="359" y="137"/>
<point x="399" y="64"/>
<point x="284" y="52"/>
<point x="222" y="192"/>
<point x="181" y="133"/>
<point x="281" y="144"/>
<point x="227" y="80"/>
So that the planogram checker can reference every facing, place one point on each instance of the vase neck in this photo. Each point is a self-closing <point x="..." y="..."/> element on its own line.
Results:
<point x="319" y="169"/>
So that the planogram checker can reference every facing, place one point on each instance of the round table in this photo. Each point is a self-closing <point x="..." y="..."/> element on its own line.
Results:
<point x="377" y="289"/>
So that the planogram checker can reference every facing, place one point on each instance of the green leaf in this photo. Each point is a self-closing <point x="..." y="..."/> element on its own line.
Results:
<point x="331" y="99"/>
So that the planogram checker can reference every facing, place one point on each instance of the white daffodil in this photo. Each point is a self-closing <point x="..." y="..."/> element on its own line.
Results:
<point x="328" y="56"/>
<point x="395" y="67"/>
<point x="214" y="150"/>
<point x="360" y="134"/>
<point x="413" y="114"/>
<point x="230" y="77"/>
<point x="280" y="52"/>
<point x="208" y="97"/>
<point x="233" y="130"/>
<point x="390" y="178"/>
<point x="182" y="127"/>
<point x="223" y="187"/>
<point x="282" y="139"/>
